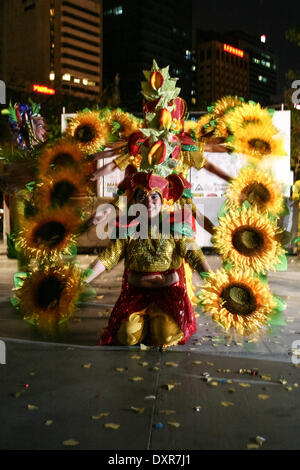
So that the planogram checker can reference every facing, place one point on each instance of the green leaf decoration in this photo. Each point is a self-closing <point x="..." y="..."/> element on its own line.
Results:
<point x="19" y="279"/>
<point x="210" y="109"/>
<point x="227" y="265"/>
<point x="297" y="240"/>
<point x="190" y="148"/>
<point x="187" y="193"/>
<point x="285" y="209"/>
<point x="223" y="211"/>
<point x="88" y="293"/>
<point x="12" y="112"/>
<point x="204" y="275"/>
<point x="14" y="301"/>
<point x="30" y="186"/>
<point x="271" y="111"/>
<point x="72" y="251"/>
<point x="282" y="265"/>
<point x="263" y="278"/>
<point x="247" y="205"/>
<point x="12" y="252"/>
<point x="86" y="273"/>
<point x="280" y="303"/>
<point x="277" y="319"/>
<point x="115" y="126"/>
<point x="213" y="123"/>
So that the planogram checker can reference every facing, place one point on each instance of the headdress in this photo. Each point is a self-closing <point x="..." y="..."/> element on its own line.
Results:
<point x="21" y="124"/>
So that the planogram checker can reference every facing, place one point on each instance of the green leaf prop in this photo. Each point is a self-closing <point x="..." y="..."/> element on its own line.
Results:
<point x="14" y="301"/>
<point x="88" y="293"/>
<point x="19" y="279"/>
<point x="223" y="211"/>
<point x="30" y="186"/>
<point x="282" y="265"/>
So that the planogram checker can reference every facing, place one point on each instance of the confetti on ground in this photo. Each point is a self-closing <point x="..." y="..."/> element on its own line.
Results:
<point x="32" y="407"/>
<point x="261" y="396"/>
<point x="48" y="422"/>
<point x="197" y="408"/>
<point x="158" y="425"/>
<point x="143" y="347"/>
<point x="32" y="373"/>
<point x="213" y="383"/>
<point x="18" y="394"/>
<point x="227" y="403"/>
<point x="135" y="356"/>
<point x="167" y="412"/>
<point x="174" y="424"/>
<point x="139" y="411"/>
<point x="120" y="369"/>
<point x="155" y="368"/>
<point x="223" y="371"/>
<point x="296" y="385"/>
<point x="100" y="415"/>
<point x="252" y="446"/>
<point x="197" y="363"/>
<point x="209" y="363"/>
<point x="171" y="364"/>
<point x="170" y="386"/>
<point x="100" y="297"/>
<point x="289" y="388"/>
<point x="87" y="366"/>
<point x="112" y="426"/>
<point x="244" y="385"/>
<point x="136" y="379"/>
<point x="283" y="381"/>
<point x="70" y="442"/>
<point x="144" y="364"/>
<point x="231" y="390"/>
<point x="150" y="397"/>
<point x="266" y="377"/>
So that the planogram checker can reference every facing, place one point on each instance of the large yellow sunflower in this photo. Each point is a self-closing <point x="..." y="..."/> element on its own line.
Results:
<point x="248" y="113"/>
<point x="89" y="131"/>
<point x="63" y="154"/>
<point x="128" y="122"/>
<point x="224" y="104"/>
<point x="219" y="112"/>
<point x="237" y="299"/>
<point x="256" y="187"/>
<point x="190" y="126"/>
<point x="49" y="234"/>
<point x="248" y="239"/>
<point x="203" y="127"/>
<point x="257" y="141"/>
<point x="47" y="297"/>
<point x="57" y="189"/>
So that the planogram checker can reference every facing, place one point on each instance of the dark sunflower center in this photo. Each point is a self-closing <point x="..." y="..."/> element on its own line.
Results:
<point x="260" y="145"/>
<point x="49" y="292"/>
<point x="61" y="193"/>
<point x="63" y="159"/>
<point x="85" y="133"/>
<point x="239" y="299"/>
<point x="248" y="241"/>
<point x="50" y="234"/>
<point x="256" y="193"/>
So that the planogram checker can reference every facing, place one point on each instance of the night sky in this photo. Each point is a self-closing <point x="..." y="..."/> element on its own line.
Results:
<point x="255" y="17"/>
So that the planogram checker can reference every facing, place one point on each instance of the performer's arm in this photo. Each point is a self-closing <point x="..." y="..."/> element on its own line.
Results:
<point x="217" y="171"/>
<point x="105" y="170"/>
<point x="109" y="258"/>
<point x="193" y="255"/>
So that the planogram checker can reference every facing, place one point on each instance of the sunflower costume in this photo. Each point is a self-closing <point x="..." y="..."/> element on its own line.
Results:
<point x="161" y="316"/>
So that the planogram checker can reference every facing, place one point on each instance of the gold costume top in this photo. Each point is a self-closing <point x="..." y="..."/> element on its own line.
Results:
<point x="152" y="255"/>
<point x="296" y="192"/>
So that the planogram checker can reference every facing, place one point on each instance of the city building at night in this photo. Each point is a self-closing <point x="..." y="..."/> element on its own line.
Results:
<point x="221" y="69"/>
<point x="53" y="46"/>
<point x="135" y="33"/>
<point x="234" y="63"/>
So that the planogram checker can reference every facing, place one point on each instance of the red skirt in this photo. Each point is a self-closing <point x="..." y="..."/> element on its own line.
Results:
<point x="173" y="300"/>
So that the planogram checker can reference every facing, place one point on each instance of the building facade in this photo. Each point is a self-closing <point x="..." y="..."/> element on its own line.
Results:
<point x="234" y="63"/>
<point x="136" y="32"/>
<point x="54" y="45"/>
<point x="221" y="70"/>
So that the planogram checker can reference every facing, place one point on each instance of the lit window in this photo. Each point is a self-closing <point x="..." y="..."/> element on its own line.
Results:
<point x="193" y="92"/>
<point x="90" y="83"/>
<point x="108" y="12"/>
<point x="188" y="54"/>
<point x="193" y="68"/>
<point x="52" y="12"/>
<point x="66" y="77"/>
<point x="262" y="79"/>
<point x="256" y="61"/>
<point x="76" y="80"/>
<point x="263" y="38"/>
<point x="193" y="100"/>
<point x="85" y="81"/>
<point x="118" y="10"/>
<point x="52" y="76"/>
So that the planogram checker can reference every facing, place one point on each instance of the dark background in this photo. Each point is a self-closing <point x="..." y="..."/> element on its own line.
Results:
<point x="255" y="17"/>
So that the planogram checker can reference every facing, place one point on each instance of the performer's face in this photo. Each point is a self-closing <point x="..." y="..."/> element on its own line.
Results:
<point x="151" y="200"/>
<point x="40" y="129"/>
